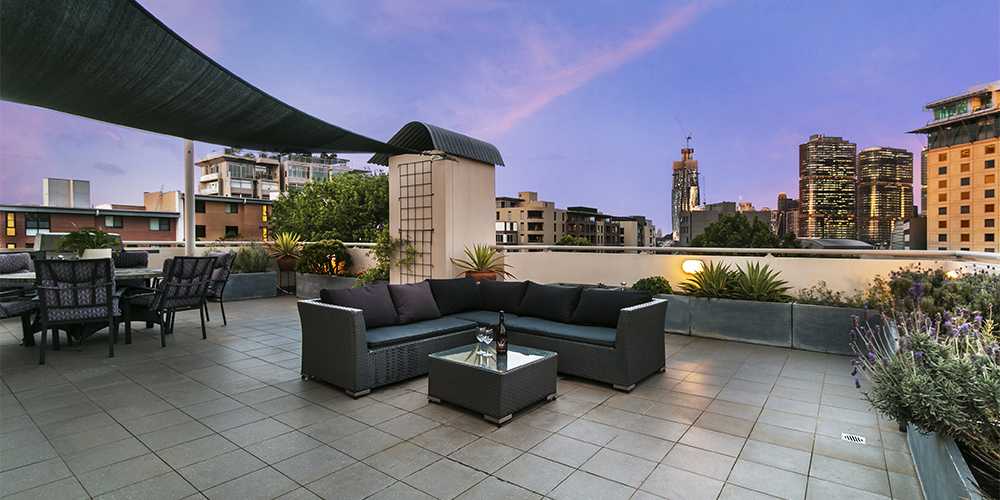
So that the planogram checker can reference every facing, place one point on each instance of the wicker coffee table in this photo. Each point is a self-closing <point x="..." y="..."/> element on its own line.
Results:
<point x="462" y="377"/>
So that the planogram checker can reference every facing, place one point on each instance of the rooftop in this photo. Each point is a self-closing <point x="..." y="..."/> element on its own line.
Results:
<point x="230" y="417"/>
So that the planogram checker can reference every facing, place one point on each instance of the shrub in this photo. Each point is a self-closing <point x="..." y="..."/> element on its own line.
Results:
<point x="573" y="241"/>
<point x="252" y="259"/>
<point x="933" y="291"/>
<point x="88" y="239"/>
<point x="945" y="378"/>
<point x="653" y="285"/>
<point x="324" y="257"/>
<point x="713" y="281"/>
<point x="759" y="282"/>
<point x="821" y="295"/>
<point x="386" y="251"/>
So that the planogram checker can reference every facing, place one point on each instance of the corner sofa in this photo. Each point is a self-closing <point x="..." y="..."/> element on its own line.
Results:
<point x="362" y="338"/>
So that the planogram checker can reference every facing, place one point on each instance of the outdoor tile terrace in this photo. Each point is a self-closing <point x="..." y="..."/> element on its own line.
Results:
<point x="230" y="418"/>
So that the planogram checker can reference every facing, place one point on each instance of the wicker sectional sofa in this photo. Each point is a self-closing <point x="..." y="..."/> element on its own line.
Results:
<point x="353" y="340"/>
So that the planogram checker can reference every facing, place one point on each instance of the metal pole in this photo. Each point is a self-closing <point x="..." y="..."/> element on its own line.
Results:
<point x="189" y="197"/>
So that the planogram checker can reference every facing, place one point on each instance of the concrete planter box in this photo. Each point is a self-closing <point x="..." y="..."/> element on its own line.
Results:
<point x="768" y="323"/>
<point x="942" y="470"/>
<point x="678" y="313"/>
<point x="251" y="286"/>
<point x="824" y="328"/>
<point x="307" y="285"/>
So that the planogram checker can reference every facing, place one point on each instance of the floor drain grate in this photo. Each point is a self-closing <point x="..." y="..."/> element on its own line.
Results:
<point x="854" y="438"/>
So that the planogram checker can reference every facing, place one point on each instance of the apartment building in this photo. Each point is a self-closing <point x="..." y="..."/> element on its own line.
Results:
<point x="963" y="139"/>
<point x="526" y="220"/>
<point x="218" y="217"/>
<point x="233" y="173"/>
<point x="23" y="222"/>
<point x="297" y="170"/>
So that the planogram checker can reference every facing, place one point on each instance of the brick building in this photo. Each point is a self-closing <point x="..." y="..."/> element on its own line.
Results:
<point x="23" y="222"/>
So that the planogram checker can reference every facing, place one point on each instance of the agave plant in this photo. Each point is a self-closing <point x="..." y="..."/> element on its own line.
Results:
<point x="482" y="259"/>
<point x="713" y="281"/>
<point x="759" y="282"/>
<point x="286" y="249"/>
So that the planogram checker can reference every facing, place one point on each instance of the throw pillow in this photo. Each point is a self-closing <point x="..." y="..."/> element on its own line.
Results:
<point x="455" y="295"/>
<point x="551" y="302"/>
<point x="373" y="300"/>
<point x="599" y="307"/>
<point x="414" y="302"/>
<point x="501" y="295"/>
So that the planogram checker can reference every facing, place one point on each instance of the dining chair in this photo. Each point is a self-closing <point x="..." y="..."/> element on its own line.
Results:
<point x="183" y="287"/>
<point x="19" y="301"/>
<point x="220" y="277"/>
<point x="75" y="294"/>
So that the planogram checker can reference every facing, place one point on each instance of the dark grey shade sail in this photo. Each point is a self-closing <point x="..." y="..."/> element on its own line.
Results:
<point x="421" y="136"/>
<point x="112" y="61"/>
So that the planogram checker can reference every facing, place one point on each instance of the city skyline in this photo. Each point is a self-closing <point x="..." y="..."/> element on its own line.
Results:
<point x="537" y="90"/>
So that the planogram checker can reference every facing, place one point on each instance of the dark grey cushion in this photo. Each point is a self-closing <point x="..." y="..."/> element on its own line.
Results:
<point x="373" y="300"/>
<point x="414" y="302"/>
<point x="485" y="318"/>
<point x="501" y="295"/>
<point x="598" y="335"/>
<point x="552" y="302"/>
<point x="396" y="334"/>
<point x="600" y="307"/>
<point x="455" y="295"/>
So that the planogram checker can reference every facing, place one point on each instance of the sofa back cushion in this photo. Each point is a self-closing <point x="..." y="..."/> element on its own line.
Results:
<point x="455" y="295"/>
<point x="600" y="307"/>
<point x="414" y="302"/>
<point x="501" y="295"/>
<point x="551" y="302"/>
<point x="373" y="300"/>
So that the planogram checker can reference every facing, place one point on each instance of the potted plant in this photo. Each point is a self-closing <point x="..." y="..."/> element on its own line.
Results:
<point x="322" y="265"/>
<point x="89" y="239"/>
<point x="822" y="319"/>
<point x="482" y="262"/>
<point x="286" y="249"/>
<point x="749" y="304"/>
<point x="252" y="275"/>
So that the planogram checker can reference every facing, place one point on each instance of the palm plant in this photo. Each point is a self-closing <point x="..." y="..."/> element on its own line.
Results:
<point x="713" y="281"/>
<point x="286" y="249"/>
<point x="482" y="259"/>
<point x="759" y="282"/>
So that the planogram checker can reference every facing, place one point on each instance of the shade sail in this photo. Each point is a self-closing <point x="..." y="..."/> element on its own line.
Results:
<point x="111" y="60"/>
<point x="421" y="136"/>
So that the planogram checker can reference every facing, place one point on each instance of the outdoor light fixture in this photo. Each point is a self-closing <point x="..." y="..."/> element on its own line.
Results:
<point x="692" y="266"/>
<point x="954" y="274"/>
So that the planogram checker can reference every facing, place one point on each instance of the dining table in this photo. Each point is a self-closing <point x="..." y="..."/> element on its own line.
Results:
<point x="121" y="274"/>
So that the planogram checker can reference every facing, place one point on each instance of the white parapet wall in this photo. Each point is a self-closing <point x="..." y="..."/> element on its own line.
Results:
<point x="845" y="271"/>
<point x="160" y="251"/>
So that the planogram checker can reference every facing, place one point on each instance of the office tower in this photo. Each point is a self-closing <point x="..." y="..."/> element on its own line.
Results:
<point x="963" y="138"/>
<point x="885" y="193"/>
<point x="684" y="195"/>
<point x="827" y="188"/>
<point x="787" y="215"/>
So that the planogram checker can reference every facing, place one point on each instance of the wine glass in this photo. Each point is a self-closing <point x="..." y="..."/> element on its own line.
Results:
<point x="485" y="337"/>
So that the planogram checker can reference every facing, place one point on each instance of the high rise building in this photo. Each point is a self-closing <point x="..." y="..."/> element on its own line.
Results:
<point x="963" y="138"/>
<point x="827" y="188"/>
<point x="684" y="195"/>
<point x="787" y="215"/>
<point x="885" y="193"/>
<point x="923" y="180"/>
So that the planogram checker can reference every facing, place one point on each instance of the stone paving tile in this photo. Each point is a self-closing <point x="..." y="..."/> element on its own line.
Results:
<point x="196" y="451"/>
<point x="850" y="474"/>
<point x="355" y="482"/>
<point x="670" y="482"/>
<point x="771" y="480"/>
<point x="486" y="455"/>
<point x="704" y="462"/>
<point x="222" y="468"/>
<point x="565" y="450"/>
<point x="282" y="447"/>
<point x="617" y="466"/>
<point x="534" y="473"/>
<point x="583" y="486"/>
<point x="444" y="440"/>
<point x="445" y="479"/>
<point x="123" y="473"/>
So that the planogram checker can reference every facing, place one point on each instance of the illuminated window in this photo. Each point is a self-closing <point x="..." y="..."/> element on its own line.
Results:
<point x="966" y="237"/>
<point x="10" y="246"/>
<point x="942" y="224"/>
<point x="966" y="153"/>
<point x="966" y="195"/>
<point x="942" y="196"/>
<point x="11" y="229"/>
<point x="990" y="179"/>
<point x="965" y="167"/>
<point x="965" y="223"/>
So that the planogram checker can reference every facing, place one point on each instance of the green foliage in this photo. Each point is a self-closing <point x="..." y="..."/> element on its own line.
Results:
<point x="653" y="285"/>
<point x="933" y="291"/>
<point x="573" y="241"/>
<point x="386" y="251"/>
<point x="286" y="246"/>
<point x="252" y="259"/>
<point x="349" y="207"/>
<point x="328" y="257"/>
<point x="821" y="295"/>
<point x="483" y="259"/>
<point x="759" y="282"/>
<point x="736" y="231"/>
<point x="88" y="239"/>
<point x="713" y="281"/>
<point x="944" y="378"/>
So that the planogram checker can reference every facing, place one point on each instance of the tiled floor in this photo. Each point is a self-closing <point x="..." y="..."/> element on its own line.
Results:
<point x="230" y="418"/>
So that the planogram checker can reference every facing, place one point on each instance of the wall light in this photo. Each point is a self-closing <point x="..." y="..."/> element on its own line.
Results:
<point x="692" y="266"/>
<point x="953" y="274"/>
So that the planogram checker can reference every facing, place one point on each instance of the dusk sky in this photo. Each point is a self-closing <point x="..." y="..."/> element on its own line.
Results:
<point x="588" y="102"/>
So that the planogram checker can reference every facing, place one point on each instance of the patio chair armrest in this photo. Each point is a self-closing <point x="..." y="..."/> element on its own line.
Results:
<point x="640" y="335"/>
<point x="335" y="344"/>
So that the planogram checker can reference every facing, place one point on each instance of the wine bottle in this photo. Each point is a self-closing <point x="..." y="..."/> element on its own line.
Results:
<point x="501" y="337"/>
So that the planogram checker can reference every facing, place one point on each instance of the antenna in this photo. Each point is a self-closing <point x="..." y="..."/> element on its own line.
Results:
<point x="687" y="141"/>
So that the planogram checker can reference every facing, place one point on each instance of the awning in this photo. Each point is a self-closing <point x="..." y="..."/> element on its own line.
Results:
<point x="112" y="61"/>
<point x="421" y="137"/>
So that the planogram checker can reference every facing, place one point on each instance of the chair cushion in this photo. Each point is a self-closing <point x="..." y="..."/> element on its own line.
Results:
<point x="414" y="302"/>
<point x="455" y="295"/>
<point x="598" y="335"/>
<point x="131" y="259"/>
<point x="16" y="263"/>
<point x="485" y="318"/>
<point x="395" y="334"/>
<point x="17" y="308"/>
<point x="373" y="300"/>
<point x="600" y="307"/>
<point x="501" y="295"/>
<point x="552" y="302"/>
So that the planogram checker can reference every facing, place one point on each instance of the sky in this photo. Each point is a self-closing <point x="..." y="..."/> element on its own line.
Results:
<point x="588" y="102"/>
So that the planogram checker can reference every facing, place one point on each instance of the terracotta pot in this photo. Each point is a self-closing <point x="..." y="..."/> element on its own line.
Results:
<point x="481" y="275"/>
<point x="287" y="263"/>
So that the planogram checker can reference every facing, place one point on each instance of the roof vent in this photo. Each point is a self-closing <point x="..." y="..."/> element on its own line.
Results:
<point x="853" y="438"/>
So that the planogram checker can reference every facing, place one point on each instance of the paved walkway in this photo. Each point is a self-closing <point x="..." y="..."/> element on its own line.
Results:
<point x="230" y="418"/>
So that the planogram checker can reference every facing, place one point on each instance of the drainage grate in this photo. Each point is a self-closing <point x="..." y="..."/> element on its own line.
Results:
<point x="854" y="438"/>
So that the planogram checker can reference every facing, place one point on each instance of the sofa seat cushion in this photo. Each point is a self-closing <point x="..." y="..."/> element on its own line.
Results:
<point x="483" y="317"/>
<point x="551" y="302"/>
<point x="455" y="295"/>
<point x="598" y="335"/>
<point x="600" y="307"/>
<point x="396" y="334"/>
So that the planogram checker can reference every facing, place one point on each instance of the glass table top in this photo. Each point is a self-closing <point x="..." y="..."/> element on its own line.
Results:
<point x="517" y="356"/>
